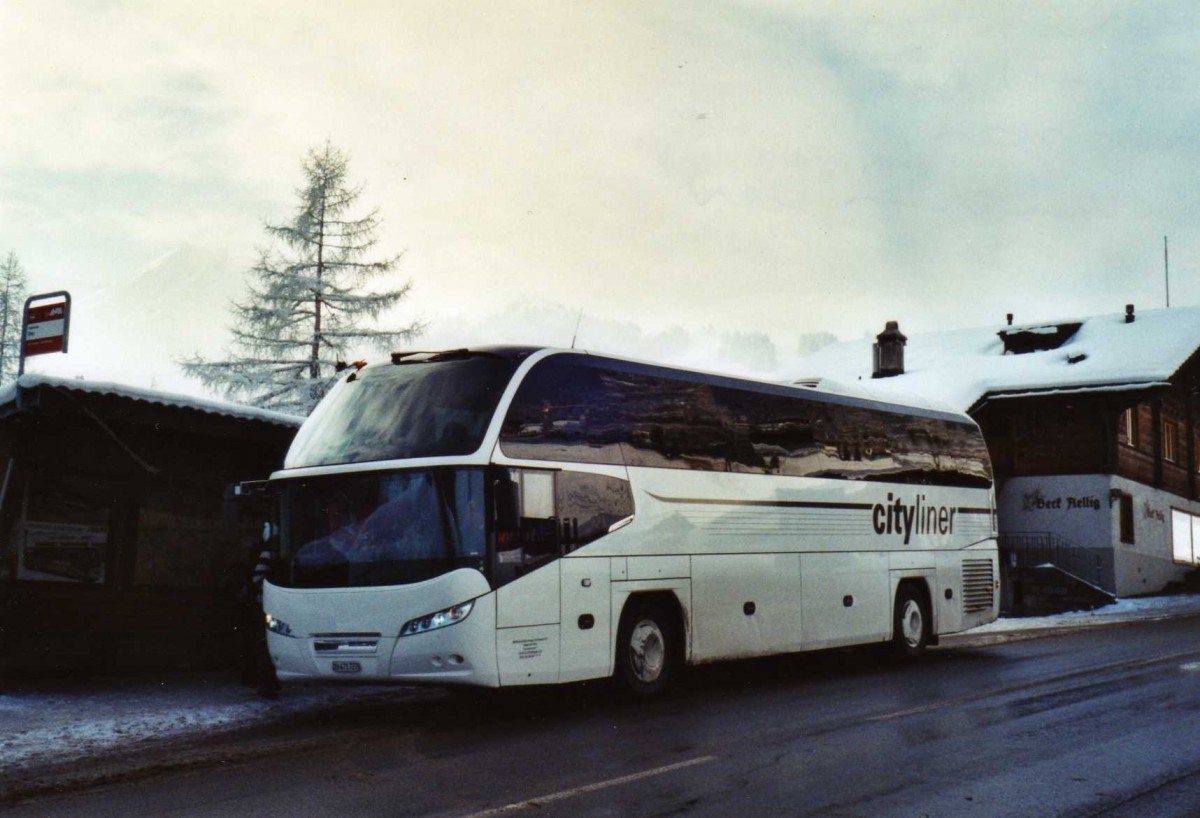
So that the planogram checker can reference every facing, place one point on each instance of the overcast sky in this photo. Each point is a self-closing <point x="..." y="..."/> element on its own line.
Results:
<point x="719" y="167"/>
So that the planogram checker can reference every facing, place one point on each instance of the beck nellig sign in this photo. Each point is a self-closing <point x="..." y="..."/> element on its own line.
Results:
<point x="47" y="324"/>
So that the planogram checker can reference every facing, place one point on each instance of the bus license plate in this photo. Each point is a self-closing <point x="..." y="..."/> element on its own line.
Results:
<point x="347" y="667"/>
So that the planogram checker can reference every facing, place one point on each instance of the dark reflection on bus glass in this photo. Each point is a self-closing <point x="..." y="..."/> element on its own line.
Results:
<point x="671" y="423"/>
<point x="390" y="412"/>
<point x="566" y="410"/>
<point x="380" y="528"/>
<point x="588" y="505"/>
<point x="573" y="408"/>
<point x="543" y="514"/>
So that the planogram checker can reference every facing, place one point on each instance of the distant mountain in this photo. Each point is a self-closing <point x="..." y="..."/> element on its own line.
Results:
<point x="132" y="329"/>
<point x="180" y="302"/>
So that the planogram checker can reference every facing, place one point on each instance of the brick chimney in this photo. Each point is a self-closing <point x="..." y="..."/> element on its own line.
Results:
<point x="889" y="351"/>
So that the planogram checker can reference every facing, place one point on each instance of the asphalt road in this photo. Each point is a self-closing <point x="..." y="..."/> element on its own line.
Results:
<point x="1103" y="722"/>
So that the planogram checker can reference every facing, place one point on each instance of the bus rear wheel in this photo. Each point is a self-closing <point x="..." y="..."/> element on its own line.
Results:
<point x="911" y="623"/>
<point x="646" y="655"/>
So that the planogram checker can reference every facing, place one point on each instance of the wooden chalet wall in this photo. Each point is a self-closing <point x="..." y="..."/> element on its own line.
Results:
<point x="152" y="478"/>
<point x="1157" y="443"/>
<point x="1150" y="436"/>
<point x="1049" y="435"/>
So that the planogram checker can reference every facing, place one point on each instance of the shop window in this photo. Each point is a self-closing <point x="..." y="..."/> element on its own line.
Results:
<point x="1185" y="537"/>
<point x="1125" y="514"/>
<point x="63" y="536"/>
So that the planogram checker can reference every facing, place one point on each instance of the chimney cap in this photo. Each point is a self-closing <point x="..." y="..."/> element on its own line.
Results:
<point x="891" y="332"/>
<point x="889" y="351"/>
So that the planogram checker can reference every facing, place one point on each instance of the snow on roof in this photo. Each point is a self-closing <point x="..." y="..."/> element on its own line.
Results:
<point x="960" y="367"/>
<point x="8" y="394"/>
<point x="866" y="390"/>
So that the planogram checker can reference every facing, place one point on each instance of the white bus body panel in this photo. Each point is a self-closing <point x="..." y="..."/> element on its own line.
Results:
<point x="528" y="656"/>
<point x="586" y="592"/>
<point x="337" y="625"/>
<point x="845" y="598"/>
<point x="818" y="577"/>
<point x="745" y="605"/>
<point x="527" y="635"/>
<point x="530" y="600"/>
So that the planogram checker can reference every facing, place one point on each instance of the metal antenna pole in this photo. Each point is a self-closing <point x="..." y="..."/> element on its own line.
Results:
<point x="576" y="335"/>
<point x="1167" y="271"/>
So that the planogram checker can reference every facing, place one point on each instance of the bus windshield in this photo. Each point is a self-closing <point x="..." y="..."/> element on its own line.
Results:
<point x="380" y="528"/>
<point x="433" y="407"/>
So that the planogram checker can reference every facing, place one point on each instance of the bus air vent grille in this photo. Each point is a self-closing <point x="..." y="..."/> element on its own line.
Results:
<point x="346" y="644"/>
<point x="978" y="585"/>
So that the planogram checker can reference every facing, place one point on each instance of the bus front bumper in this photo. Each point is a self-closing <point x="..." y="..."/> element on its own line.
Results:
<point x="460" y="654"/>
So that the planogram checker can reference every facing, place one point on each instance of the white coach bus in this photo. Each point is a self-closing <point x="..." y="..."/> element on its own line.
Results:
<point x="511" y="516"/>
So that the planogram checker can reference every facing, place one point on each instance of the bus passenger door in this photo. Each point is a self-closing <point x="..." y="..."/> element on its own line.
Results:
<point x="586" y="618"/>
<point x="527" y="605"/>
<point x="527" y="630"/>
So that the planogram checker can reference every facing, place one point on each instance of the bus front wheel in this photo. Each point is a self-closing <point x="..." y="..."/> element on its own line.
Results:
<point x="911" y="623"/>
<point x="646" y="658"/>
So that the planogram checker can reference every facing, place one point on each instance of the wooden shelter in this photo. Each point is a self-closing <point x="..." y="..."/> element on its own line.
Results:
<point x="117" y="551"/>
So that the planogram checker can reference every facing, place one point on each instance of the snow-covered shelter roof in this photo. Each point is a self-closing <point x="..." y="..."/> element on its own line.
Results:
<point x="961" y="367"/>
<point x="9" y="395"/>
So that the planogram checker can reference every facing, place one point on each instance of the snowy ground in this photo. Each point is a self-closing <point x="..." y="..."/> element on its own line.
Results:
<point x="53" y="722"/>
<point x="43" y="722"/>
<point x="1125" y="610"/>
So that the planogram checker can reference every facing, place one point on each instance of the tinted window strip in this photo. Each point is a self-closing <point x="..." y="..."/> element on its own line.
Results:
<point x="760" y="387"/>
<point x="712" y="441"/>
<point x="765" y="503"/>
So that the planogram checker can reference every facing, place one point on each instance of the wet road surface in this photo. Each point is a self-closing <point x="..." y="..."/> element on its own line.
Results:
<point x="1101" y="722"/>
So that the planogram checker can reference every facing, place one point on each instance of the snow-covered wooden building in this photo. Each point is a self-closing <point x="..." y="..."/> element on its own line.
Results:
<point x="116" y="551"/>
<point x="1093" y="425"/>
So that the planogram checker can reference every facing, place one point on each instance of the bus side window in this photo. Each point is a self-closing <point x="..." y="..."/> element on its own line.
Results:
<point x="588" y="505"/>
<point x="565" y="409"/>
<point x="527" y="536"/>
<point x="672" y="423"/>
<point x="770" y="434"/>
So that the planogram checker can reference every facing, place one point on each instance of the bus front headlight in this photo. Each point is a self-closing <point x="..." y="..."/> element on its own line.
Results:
<point x="441" y="619"/>
<point x="278" y="626"/>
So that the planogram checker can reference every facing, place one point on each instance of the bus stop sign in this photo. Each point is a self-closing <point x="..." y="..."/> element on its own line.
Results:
<point x="46" y="325"/>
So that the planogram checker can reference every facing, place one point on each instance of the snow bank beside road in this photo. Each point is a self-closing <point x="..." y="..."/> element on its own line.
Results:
<point x="1125" y="610"/>
<point x="43" y="722"/>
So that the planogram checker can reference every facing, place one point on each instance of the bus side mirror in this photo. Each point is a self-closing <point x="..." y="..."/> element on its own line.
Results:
<point x="254" y="488"/>
<point x="249" y="502"/>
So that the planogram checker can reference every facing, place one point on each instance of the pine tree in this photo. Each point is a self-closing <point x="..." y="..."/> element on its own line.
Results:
<point x="14" y="289"/>
<point x="306" y="306"/>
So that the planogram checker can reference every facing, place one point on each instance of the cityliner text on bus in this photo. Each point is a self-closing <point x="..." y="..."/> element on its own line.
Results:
<point x="510" y="516"/>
